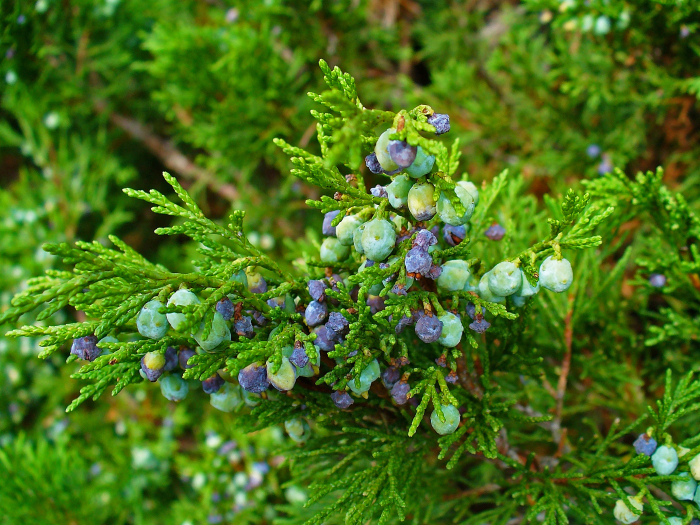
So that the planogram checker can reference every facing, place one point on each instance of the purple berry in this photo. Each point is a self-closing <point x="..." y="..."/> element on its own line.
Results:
<point x="657" y="280"/>
<point x="225" y="308"/>
<point x="400" y="392"/>
<point x="259" y="318"/>
<point x="418" y="261"/>
<point x="184" y="356"/>
<point x="341" y="399"/>
<point x="451" y="377"/>
<point x="645" y="444"/>
<point x="404" y="322"/>
<point x="244" y="327"/>
<point x="480" y="326"/>
<point x="375" y="303"/>
<point x="337" y="326"/>
<point x="213" y="384"/>
<point x="441" y="121"/>
<point x="170" y="359"/>
<point x="299" y="357"/>
<point x="471" y="310"/>
<point x="434" y="272"/>
<point x="372" y="163"/>
<point x="429" y="328"/>
<point x="495" y="232"/>
<point x="327" y="228"/>
<point x="379" y="191"/>
<point x="86" y="348"/>
<point x="399" y="289"/>
<point x="593" y="151"/>
<point x="402" y="153"/>
<point x="322" y="340"/>
<point x="390" y="376"/>
<point x="261" y="287"/>
<point x="605" y="166"/>
<point x="315" y="313"/>
<point x="317" y="290"/>
<point x="424" y="239"/>
<point x="253" y="378"/>
<point x="275" y="302"/>
<point x="453" y="235"/>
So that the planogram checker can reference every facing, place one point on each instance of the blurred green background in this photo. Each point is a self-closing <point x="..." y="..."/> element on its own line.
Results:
<point x="101" y="94"/>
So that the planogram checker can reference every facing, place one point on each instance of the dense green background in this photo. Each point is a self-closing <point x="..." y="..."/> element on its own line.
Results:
<point x="97" y="95"/>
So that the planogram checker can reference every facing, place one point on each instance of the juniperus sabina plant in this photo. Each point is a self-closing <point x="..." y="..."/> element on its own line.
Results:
<point x="411" y="349"/>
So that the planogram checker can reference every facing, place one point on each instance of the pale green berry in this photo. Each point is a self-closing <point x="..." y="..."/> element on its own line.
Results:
<point x="451" y="422"/>
<point x="375" y="288"/>
<point x="518" y="301"/>
<point x="454" y="276"/>
<point x="369" y="375"/>
<point x="526" y="289"/>
<point x="173" y="387"/>
<point x="421" y="201"/>
<point x="447" y="212"/>
<point x="684" y="490"/>
<point x="251" y="399"/>
<point x="422" y="165"/>
<point x="694" y="465"/>
<point x="472" y="284"/>
<point x="347" y="227"/>
<point x="451" y="330"/>
<point x="219" y="332"/>
<point x="298" y="429"/>
<point x="505" y="278"/>
<point x="398" y="190"/>
<point x="471" y="188"/>
<point x="227" y="399"/>
<point x="378" y="239"/>
<point x="357" y="238"/>
<point x="285" y="377"/>
<point x="556" y="275"/>
<point x="150" y="322"/>
<point x="240" y="277"/>
<point x="664" y="460"/>
<point x="675" y="520"/>
<point x="382" y="152"/>
<point x="485" y="292"/>
<point x="182" y="297"/>
<point x="332" y="251"/>
<point x="626" y="515"/>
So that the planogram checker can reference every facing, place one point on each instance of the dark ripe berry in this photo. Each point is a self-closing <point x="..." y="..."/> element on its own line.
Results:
<point x="418" y="261"/>
<point x="260" y="287"/>
<point x="354" y="292"/>
<point x="441" y="121"/>
<point x="337" y="326"/>
<point x="225" y="308"/>
<point x="480" y="326"/>
<point x="299" y="357"/>
<point x="259" y="318"/>
<point x="152" y="365"/>
<point x="315" y="313"/>
<point x="86" y="348"/>
<point x="170" y="359"/>
<point x="244" y="327"/>
<point x="184" y="356"/>
<point x="657" y="280"/>
<point x="399" y="289"/>
<point x="375" y="303"/>
<point x="495" y="232"/>
<point x="333" y="280"/>
<point x="328" y="229"/>
<point x="593" y="151"/>
<point x="400" y="392"/>
<point x="253" y="378"/>
<point x="434" y="272"/>
<point x="379" y="191"/>
<point x="453" y="235"/>
<point x="424" y="239"/>
<point x="372" y="163"/>
<point x="429" y="328"/>
<point x="317" y="290"/>
<point x="341" y="399"/>
<point x="322" y="340"/>
<point x="369" y="263"/>
<point x="471" y="310"/>
<point x="213" y="384"/>
<point x="390" y="376"/>
<point x="645" y="444"/>
<point x="451" y="377"/>
<point x="275" y="302"/>
<point x="402" y="153"/>
<point x="404" y="322"/>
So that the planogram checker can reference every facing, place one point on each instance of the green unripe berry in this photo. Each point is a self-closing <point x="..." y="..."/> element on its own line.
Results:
<point x="378" y="239"/>
<point x="454" y="276"/>
<point x="173" y="387"/>
<point x="485" y="292"/>
<point x="421" y="201"/>
<point x="285" y="377"/>
<point x="556" y="275"/>
<point x="347" y="227"/>
<point x="471" y="188"/>
<point x="505" y="278"/>
<point x="447" y="212"/>
<point x="451" y="330"/>
<point x="332" y="251"/>
<point x="422" y="165"/>
<point x="451" y="422"/>
<point x="397" y="191"/>
<point x="182" y="297"/>
<point x="227" y="398"/>
<point x="381" y="150"/>
<point x="370" y="374"/>
<point x="150" y="322"/>
<point x="526" y="289"/>
<point x="240" y="277"/>
<point x="357" y="238"/>
<point x="684" y="490"/>
<point x="298" y="429"/>
<point x="219" y="332"/>
<point x="625" y="514"/>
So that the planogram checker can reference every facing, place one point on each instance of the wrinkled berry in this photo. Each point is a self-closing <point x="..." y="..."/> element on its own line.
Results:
<point x="184" y="357"/>
<point x="212" y="384"/>
<point x="86" y="348"/>
<point x="441" y="121"/>
<point x="400" y="392"/>
<point x="372" y="163"/>
<point x="428" y="328"/>
<point x="299" y="357"/>
<point x="471" y="310"/>
<point x="225" y="308"/>
<point x="341" y="399"/>
<point x="424" y="239"/>
<point x="434" y="273"/>
<point x="418" y="261"/>
<point x="253" y="378"/>
<point x="403" y="323"/>
<point x="317" y="290"/>
<point x="402" y="153"/>
<point x="315" y="313"/>
<point x="244" y="327"/>
<point x="495" y="232"/>
<point x="375" y="303"/>
<point x="322" y="340"/>
<point x="337" y="326"/>
<point x="379" y="191"/>
<point x="480" y="326"/>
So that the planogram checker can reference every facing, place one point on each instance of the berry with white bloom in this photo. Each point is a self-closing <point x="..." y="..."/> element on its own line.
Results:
<point x="454" y="276"/>
<point x="625" y="514"/>
<point x="451" y="422"/>
<point x="378" y="239"/>
<point x="556" y="275"/>
<point x="182" y="297"/>
<point x="684" y="490"/>
<point x="332" y="251"/>
<point x="665" y="460"/>
<point x="397" y="191"/>
<point x="451" y="330"/>
<point x="446" y="210"/>
<point x="505" y="279"/>
<point x="150" y="322"/>
<point x="421" y="165"/>
<point x="345" y="230"/>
